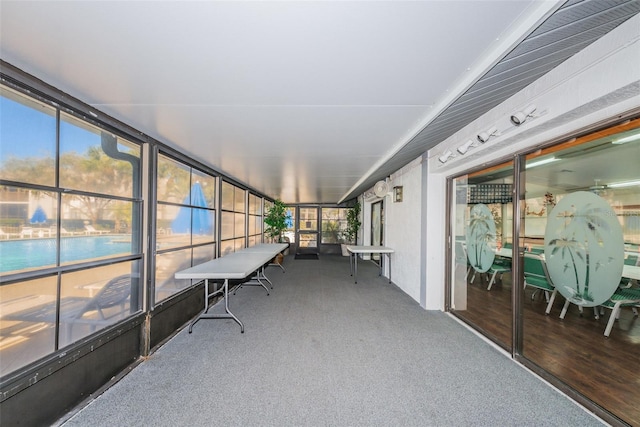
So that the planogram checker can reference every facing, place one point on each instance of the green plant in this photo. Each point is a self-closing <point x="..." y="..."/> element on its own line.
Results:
<point x="331" y="232"/>
<point x="353" y="223"/>
<point x="276" y="220"/>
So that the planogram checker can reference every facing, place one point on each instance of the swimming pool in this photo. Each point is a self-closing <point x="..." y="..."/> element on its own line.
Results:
<point x="16" y="255"/>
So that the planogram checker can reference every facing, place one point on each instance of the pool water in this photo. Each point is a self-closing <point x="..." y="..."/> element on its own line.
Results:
<point x="16" y="255"/>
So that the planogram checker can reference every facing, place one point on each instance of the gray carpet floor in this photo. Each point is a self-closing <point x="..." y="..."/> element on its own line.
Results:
<point x="323" y="351"/>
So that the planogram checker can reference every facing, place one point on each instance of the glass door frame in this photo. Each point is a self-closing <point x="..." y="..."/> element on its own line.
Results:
<point x="376" y="257"/>
<point x="306" y="232"/>
<point x="508" y="344"/>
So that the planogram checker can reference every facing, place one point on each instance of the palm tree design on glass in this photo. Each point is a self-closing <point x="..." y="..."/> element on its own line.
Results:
<point x="584" y="249"/>
<point x="481" y="238"/>
<point x="569" y="248"/>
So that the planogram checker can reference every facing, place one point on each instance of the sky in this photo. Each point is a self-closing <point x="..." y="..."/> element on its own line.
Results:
<point x="27" y="132"/>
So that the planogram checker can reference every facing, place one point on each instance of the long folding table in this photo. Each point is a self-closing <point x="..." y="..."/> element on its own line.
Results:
<point x="355" y="250"/>
<point x="238" y="266"/>
<point x="269" y="247"/>
<point x="272" y="248"/>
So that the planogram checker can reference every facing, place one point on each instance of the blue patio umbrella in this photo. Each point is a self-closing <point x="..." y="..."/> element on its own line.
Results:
<point x="39" y="216"/>
<point x="288" y="220"/>
<point x="196" y="220"/>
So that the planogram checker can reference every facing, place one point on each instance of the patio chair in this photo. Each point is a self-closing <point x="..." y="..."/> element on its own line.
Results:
<point x="26" y="232"/>
<point x="622" y="297"/>
<point x="90" y="229"/>
<point x="107" y="306"/>
<point x="498" y="268"/>
<point x="7" y="236"/>
<point x="626" y="295"/>
<point x="537" y="276"/>
<point x="626" y="282"/>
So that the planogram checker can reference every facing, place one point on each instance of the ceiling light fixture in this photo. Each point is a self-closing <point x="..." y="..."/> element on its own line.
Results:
<point x="541" y="162"/>
<point x="623" y="184"/>
<point x="520" y="117"/>
<point x="466" y="146"/>
<point x="484" y="136"/>
<point x="446" y="156"/>
<point x="626" y="139"/>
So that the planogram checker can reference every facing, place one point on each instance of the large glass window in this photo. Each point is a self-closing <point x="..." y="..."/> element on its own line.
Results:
<point x="255" y="220"/>
<point x="267" y="207"/>
<point x="233" y="212"/>
<point x="334" y="225"/>
<point x="185" y="223"/>
<point x="90" y="161"/>
<point x="290" y="232"/>
<point x="28" y="152"/>
<point x="70" y="228"/>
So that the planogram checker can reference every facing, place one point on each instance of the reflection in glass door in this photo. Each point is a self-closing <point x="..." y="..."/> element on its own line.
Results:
<point x="307" y="230"/>
<point x="481" y="232"/>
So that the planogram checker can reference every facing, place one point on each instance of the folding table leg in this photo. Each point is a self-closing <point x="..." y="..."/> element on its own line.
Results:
<point x="227" y="315"/>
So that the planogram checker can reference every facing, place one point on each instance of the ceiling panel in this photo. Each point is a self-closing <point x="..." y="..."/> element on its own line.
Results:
<point x="303" y="101"/>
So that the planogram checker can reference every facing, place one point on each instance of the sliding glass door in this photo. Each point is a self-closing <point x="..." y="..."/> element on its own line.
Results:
<point x="573" y="300"/>
<point x="481" y="227"/>
<point x="581" y="238"/>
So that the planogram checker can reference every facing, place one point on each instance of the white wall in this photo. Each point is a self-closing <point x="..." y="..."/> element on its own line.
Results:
<point x="595" y="85"/>
<point x="402" y="230"/>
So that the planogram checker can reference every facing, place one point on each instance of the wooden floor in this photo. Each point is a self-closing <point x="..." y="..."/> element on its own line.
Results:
<point x="574" y="350"/>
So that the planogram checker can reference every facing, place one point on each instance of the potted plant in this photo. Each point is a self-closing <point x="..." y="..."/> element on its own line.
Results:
<point x="276" y="220"/>
<point x="353" y="225"/>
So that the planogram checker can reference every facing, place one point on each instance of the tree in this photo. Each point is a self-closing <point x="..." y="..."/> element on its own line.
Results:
<point x="173" y="181"/>
<point x="34" y="170"/>
<point x="276" y="220"/>
<point x="92" y="172"/>
<point x="97" y="173"/>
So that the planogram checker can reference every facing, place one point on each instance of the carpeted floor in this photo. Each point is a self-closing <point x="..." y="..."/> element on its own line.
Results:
<point x="323" y="351"/>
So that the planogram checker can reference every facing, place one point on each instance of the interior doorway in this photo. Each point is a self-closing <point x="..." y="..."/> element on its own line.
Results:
<point x="307" y="230"/>
<point x="377" y="227"/>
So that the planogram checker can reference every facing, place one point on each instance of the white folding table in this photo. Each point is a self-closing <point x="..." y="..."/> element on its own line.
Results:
<point x="238" y="265"/>
<point x="355" y="250"/>
<point x="272" y="248"/>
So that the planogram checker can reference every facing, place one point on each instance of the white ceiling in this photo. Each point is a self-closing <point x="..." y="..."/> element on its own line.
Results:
<point x="300" y="100"/>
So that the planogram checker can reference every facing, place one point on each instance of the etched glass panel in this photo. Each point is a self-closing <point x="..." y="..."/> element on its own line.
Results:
<point x="481" y="238"/>
<point x="584" y="249"/>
